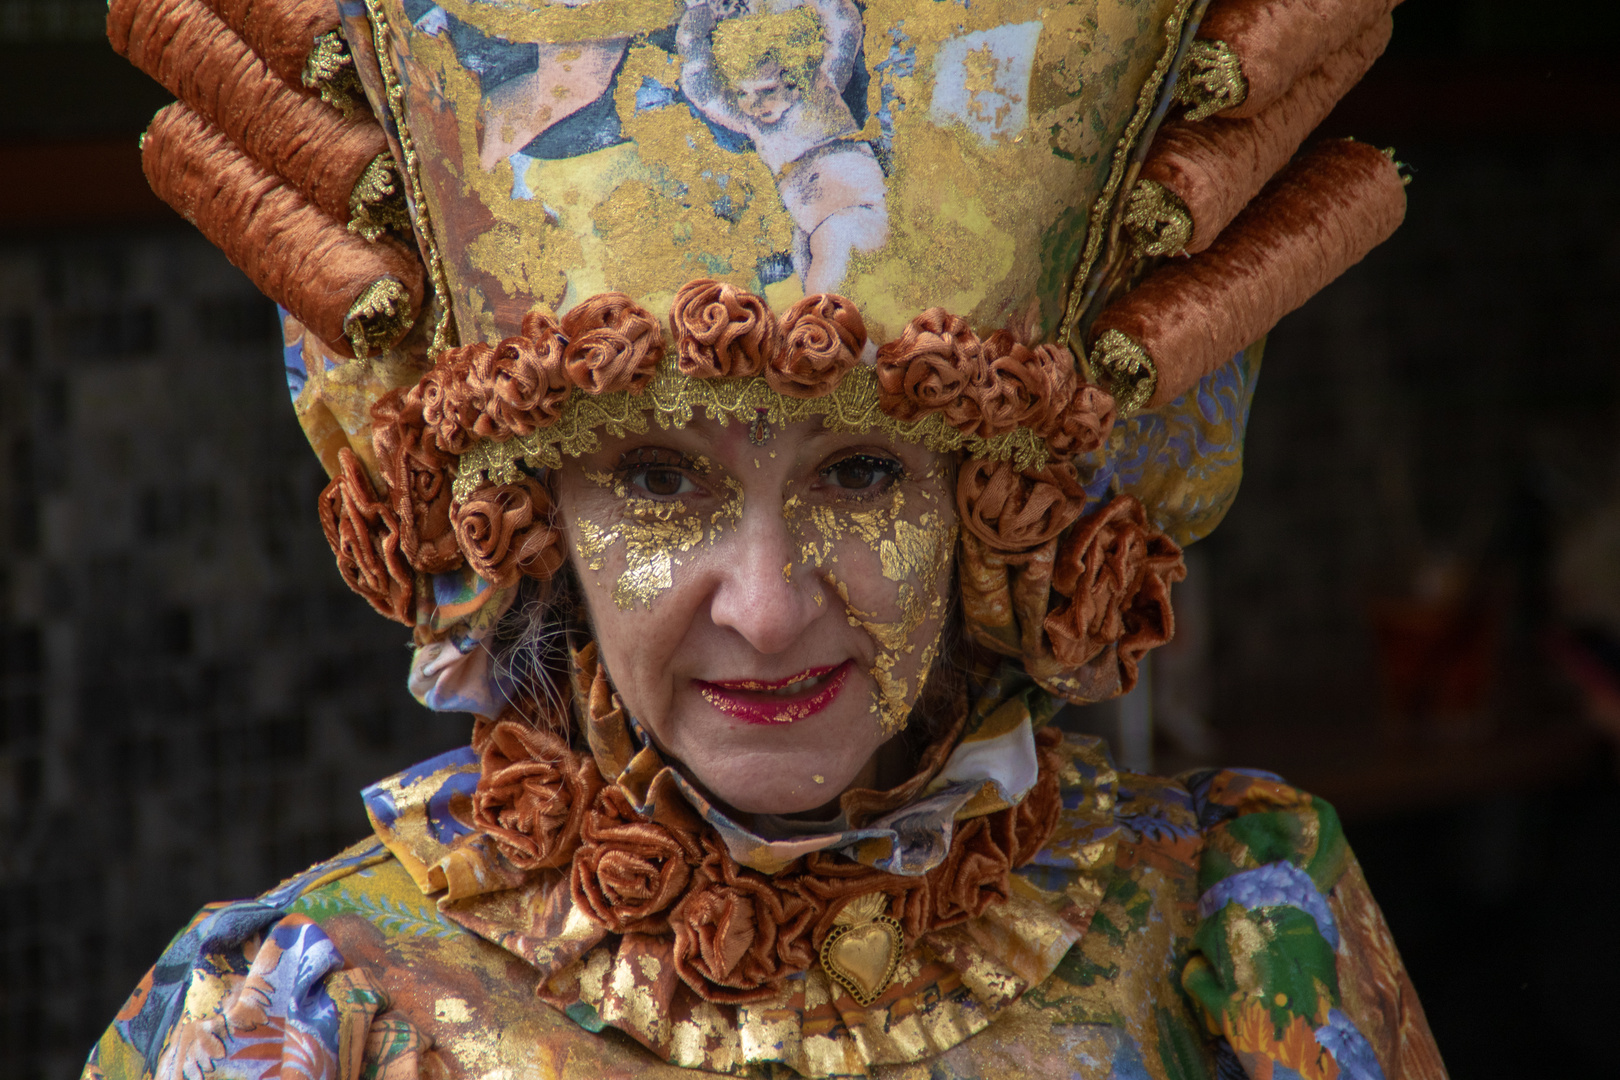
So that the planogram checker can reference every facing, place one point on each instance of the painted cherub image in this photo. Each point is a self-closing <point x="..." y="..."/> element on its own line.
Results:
<point x="775" y="71"/>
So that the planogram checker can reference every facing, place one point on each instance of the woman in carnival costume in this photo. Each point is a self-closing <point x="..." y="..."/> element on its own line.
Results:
<point x="765" y="414"/>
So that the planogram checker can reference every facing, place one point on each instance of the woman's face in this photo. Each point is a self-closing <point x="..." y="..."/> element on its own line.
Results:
<point x="767" y="612"/>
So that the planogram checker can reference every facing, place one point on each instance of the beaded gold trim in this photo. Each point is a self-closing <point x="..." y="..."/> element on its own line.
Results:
<point x="1158" y="222"/>
<point x="1146" y="100"/>
<point x="1126" y="369"/>
<point x="379" y="316"/>
<point x="443" y="328"/>
<point x="377" y="202"/>
<point x="329" y="71"/>
<point x="1211" y="80"/>
<point x="673" y="399"/>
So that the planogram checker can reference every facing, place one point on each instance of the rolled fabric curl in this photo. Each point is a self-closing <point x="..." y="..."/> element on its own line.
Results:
<point x="1211" y="169"/>
<point x="185" y="46"/>
<point x="1277" y="41"/>
<point x="284" y="32"/>
<point x="1320" y="217"/>
<point x="327" y="277"/>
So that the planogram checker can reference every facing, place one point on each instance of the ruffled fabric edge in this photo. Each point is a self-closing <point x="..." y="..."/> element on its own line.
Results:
<point x="951" y="984"/>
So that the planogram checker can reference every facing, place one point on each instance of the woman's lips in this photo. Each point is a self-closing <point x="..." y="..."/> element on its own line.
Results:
<point x="782" y="701"/>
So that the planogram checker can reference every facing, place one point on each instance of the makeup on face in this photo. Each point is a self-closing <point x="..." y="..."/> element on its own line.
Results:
<point x="784" y="701"/>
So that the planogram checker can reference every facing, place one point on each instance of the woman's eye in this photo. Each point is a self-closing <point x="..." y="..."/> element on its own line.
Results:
<point x="662" y="481"/>
<point x="860" y="472"/>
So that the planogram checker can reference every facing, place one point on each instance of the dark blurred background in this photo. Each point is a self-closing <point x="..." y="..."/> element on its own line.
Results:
<point x="1413" y="610"/>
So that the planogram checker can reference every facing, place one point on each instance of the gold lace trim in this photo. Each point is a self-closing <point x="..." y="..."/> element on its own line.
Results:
<point x="329" y="71"/>
<point x="1211" y="80"/>
<point x="673" y="399"/>
<point x="1158" y="221"/>
<point x="377" y="202"/>
<point x="378" y="317"/>
<point x="1146" y="100"/>
<point x="1126" y="369"/>
<point x="443" y="330"/>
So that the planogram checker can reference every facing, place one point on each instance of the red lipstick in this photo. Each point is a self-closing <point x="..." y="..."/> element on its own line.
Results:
<point x="777" y="702"/>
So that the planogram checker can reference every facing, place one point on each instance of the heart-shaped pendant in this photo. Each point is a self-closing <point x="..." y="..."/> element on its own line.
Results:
<point x="862" y="957"/>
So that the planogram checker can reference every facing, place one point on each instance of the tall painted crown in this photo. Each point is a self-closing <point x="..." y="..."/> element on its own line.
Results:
<point x="1049" y="235"/>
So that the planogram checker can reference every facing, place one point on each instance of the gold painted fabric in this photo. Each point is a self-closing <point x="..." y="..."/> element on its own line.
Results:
<point x="1211" y="926"/>
<point x="903" y="153"/>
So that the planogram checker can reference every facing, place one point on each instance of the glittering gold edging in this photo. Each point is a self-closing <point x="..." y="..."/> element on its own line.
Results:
<point x="1211" y="79"/>
<point x="376" y="204"/>
<point x="1126" y="369"/>
<point x="1157" y="220"/>
<point x="673" y="399"/>
<point x="1146" y="101"/>
<point x="379" y="316"/>
<point x="329" y="71"/>
<point x="443" y="330"/>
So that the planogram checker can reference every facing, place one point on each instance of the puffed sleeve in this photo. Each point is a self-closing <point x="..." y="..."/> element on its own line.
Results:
<point x="1293" y="967"/>
<point x="249" y="991"/>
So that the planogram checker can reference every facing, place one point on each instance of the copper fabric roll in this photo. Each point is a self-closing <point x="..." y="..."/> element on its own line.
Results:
<point x="186" y="47"/>
<point x="281" y="31"/>
<point x="1277" y="41"/>
<point x="1216" y="166"/>
<point x="295" y="254"/>
<point x="1316" y="220"/>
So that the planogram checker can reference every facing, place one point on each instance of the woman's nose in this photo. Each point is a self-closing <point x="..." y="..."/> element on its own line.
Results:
<point x="764" y="594"/>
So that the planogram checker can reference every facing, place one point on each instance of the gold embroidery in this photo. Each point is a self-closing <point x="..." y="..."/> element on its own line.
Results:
<point x="443" y="328"/>
<point x="1157" y="220"/>
<point x="1126" y="369"/>
<point x="673" y="399"/>
<point x="379" y="316"/>
<point x="329" y="71"/>
<point x="1146" y="100"/>
<point x="1211" y="79"/>
<point x="377" y="202"/>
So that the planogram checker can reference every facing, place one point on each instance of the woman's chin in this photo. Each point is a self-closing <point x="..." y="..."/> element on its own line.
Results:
<point x="780" y="788"/>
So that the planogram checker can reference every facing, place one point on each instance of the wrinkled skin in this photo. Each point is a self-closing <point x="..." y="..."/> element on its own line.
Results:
<point x="704" y="558"/>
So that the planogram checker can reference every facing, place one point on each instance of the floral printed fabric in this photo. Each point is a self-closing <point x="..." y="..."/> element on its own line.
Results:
<point x="1226" y="934"/>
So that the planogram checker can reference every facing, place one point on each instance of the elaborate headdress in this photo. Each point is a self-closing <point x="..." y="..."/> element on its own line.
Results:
<point x="1046" y="235"/>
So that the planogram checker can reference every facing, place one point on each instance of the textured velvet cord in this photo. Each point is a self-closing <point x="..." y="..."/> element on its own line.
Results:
<point x="1277" y="41"/>
<point x="281" y="31"/>
<point x="1320" y="217"/>
<point x="1215" y="166"/>
<point x="294" y="254"/>
<point x="184" y="45"/>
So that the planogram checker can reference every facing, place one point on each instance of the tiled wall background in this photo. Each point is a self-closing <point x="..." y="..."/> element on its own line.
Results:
<point x="189" y="696"/>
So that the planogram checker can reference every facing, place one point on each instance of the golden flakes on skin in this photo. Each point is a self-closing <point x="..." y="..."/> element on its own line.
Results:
<point x="914" y="556"/>
<point x="654" y="534"/>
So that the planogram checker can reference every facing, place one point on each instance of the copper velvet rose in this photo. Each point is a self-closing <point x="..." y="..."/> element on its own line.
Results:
<point x="1013" y="510"/>
<point x="1116" y="570"/>
<point x="629" y="871"/>
<point x="614" y="344"/>
<point x="721" y="330"/>
<point x="930" y="368"/>
<point x="533" y="794"/>
<point x="521" y="382"/>
<point x="822" y="337"/>
<point x="417" y="473"/>
<point x="364" y="534"/>
<point x="738" y="935"/>
<point x="1021" y="386"/>
<point x="508" y="532"/>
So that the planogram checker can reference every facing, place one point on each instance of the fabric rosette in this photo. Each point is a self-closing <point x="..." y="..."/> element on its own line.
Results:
<point x="614" y="344"/>
<point x="509" y="531"/>
<point x="533" y="793"/>
<point x="628" y="871"/>
<point x="720" y="330"/>
<point x="930" y="368"/>
<point x="364" y="535"/>
<point x="822" y="337"/>
<point x="417" y="473"/>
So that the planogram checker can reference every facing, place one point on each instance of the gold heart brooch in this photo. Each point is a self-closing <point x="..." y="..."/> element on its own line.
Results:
<point x="862" y="952"/>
